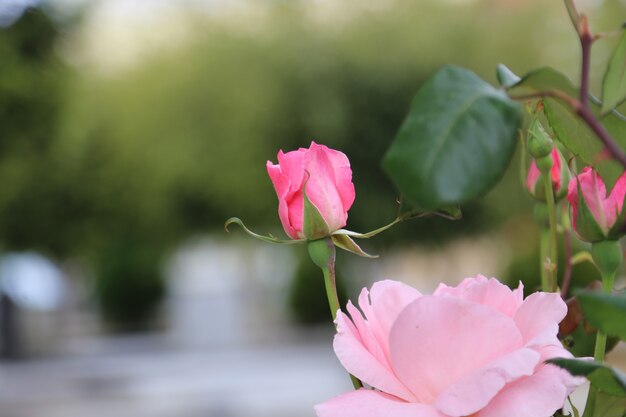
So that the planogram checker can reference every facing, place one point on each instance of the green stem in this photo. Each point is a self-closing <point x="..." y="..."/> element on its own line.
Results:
<point x="600" y="348"/>
<point x="544" y="247"/>
<point x="332" y="295"/>
<point x="331" y="291"/>
<point x="553" y="245"/>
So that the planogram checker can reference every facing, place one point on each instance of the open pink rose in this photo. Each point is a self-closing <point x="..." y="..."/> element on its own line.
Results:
<point x="328" y="178"/>
<point x="595" y="216"/>
<point x="477" y="350"/>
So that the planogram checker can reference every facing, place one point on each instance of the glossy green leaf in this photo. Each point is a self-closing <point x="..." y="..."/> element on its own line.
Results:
<point x="506" y="77"/>
<point x="603" y="377"/>
<point x="614" y="82"/>
<point x="606" y="312"/>
<point x="456" y="141"/>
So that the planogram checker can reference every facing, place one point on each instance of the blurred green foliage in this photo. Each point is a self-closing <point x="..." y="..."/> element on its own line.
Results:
<point x="120" y="168"/>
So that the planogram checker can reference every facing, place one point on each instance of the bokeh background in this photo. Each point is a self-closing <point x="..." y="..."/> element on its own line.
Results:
<point x="129" y="132"/>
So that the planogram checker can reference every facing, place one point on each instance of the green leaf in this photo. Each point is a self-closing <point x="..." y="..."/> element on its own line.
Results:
<point x="313" y="224"/>
<point x="609" y="405"/>
<point x="605" y="312"/>
<point x="544" y="79"/>
<point x="506" y="77"/>
<point x="603" y="377"/>
<point x="270" y="239"/>
<point x="614" y="82"/>
<point x="456" y="141"/>
<point x="344" y="242"/>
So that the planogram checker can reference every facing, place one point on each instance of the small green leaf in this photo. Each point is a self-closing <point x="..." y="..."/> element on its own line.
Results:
<point x="614" y="82"/>
<point x="344" y="242"/>
<point x="456" y="141"/>
<point x="605" y="312"/>
<point x="270" y="239"/>
<point x="544" y="79"/>
<point x="603" y="377"/>
<point x="506" y="77"/>
<point x="313" y="224"/>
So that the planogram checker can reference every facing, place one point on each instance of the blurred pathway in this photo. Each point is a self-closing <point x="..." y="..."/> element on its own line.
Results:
<point x="273" y="381"/>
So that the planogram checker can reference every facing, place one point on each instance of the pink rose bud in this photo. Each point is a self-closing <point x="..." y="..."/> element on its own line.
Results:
<point x="326" y="176"/>
<point x="594" y="216"/>
<point x="559" y="174"/>
<point x="477" y="349"/>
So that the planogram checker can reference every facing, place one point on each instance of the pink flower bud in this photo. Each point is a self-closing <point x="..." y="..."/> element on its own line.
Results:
<point x="559" y="174"/>
<point x="595" y="216"/>
<point x="327" y="177"/>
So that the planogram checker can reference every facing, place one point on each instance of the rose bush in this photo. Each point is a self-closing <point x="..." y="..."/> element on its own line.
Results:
<point x="595" y="216"/>
<point x="477" y="350"/>
<point x="327" y="177"/>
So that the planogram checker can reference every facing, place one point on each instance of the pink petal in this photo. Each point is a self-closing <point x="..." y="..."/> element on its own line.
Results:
<point x="614" y="204"/>
<point x="488" y="292"/>
<point x="594" y="193"/>
<point x="532" y="177"/>
<point x="321" y="189"/>
<point x="437" y="340"/>
<point x="539" y="395"/>
<point x="556" y="169"/>
<point x="368" y="365"/>
<point x="343" y="176"/>
<point x="474" y="391"/>
<point x="388" y="299"/>
<point x="539" y="316"/>
<point x="369" y="403"/>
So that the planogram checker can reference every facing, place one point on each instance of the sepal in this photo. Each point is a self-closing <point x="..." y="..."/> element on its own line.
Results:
<point x="269" y="238"/>
<point x="344" y="242"/>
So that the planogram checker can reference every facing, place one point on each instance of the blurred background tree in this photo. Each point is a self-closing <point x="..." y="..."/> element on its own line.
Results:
<point x="118" y="166"/>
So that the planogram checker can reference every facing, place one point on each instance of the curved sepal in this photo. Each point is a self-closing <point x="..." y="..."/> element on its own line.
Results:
<point x="346" y="243"/>
<point x="270" y="238"/>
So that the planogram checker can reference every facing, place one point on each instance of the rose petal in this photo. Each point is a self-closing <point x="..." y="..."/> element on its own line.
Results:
<point x="369" y="403"/>
<point x="321" y="188"/>
<point x="382" y="306"/>
<point x="538" y="318"/>
<point x="361" y="362"/>
<point x="488" y="292"/>
<point x="614" y="204"/>
<point x="474" y="391"/>
<point x="436" y="341"/>
<point x="539" y="395"/>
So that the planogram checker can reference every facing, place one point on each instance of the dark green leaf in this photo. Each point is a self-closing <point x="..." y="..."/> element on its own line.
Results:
<point x="605" y="312"/>
<point x="603" y="377"/>
<point x="456" y="141"/>
<point x="614" y="82"/>
<point x="506" y="77"/>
